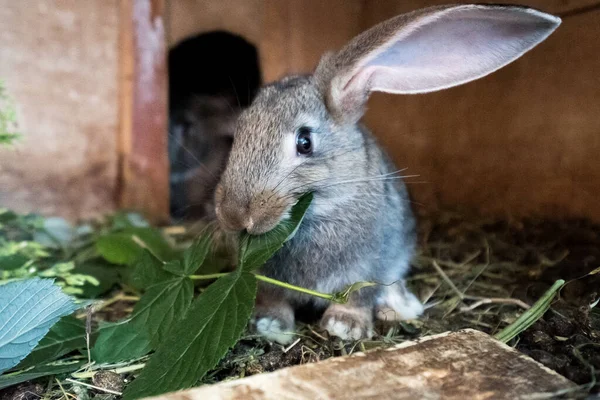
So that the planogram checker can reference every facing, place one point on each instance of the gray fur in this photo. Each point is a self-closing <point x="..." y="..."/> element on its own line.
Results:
<point x="352" y="232"/>
<point x="360" y="226"/>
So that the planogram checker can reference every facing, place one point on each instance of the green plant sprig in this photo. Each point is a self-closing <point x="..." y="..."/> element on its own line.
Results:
<point x="179" y="335"/>
<point x="338" y="297"/>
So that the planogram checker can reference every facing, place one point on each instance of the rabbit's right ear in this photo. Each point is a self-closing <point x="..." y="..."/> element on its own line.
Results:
<point x="428" y="50"/>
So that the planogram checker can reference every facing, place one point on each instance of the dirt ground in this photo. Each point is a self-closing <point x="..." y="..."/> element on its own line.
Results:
<point x="496" y="268"/>
<point x="471" y="272"/>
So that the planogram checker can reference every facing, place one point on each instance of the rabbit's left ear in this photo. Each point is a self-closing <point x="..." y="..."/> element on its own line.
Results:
<point x="428" y="50"/>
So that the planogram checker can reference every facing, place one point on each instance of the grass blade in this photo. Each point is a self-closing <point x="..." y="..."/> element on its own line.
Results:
<point x="529" y="317"/>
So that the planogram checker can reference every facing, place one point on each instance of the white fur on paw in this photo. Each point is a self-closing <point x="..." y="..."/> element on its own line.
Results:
<point x="399" y="304"/>
<point x="271" y="329"/>
<point x="346" y="327"/>
<point x="343" y="330"/>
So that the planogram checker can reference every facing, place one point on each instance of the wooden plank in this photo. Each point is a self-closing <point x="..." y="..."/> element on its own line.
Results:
<point x="144" y="183"/>
<point x="463" y="365"/>
<point x="298" y="32"/>
<point x="522" y="141"/>
<point x="376" y="10"/>
<point x="59" y="59"/>
<point x="274" y="41"/>
<point x="190" y="17"/>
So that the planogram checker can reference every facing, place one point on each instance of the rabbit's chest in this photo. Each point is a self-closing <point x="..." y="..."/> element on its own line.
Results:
<point x="324" y="258"/>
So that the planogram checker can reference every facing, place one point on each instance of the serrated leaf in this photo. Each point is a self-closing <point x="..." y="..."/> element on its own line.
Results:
<point x="174" y="267"/>
<point x="153" y="316"/>
<point x="121" y="342"/>
<point x="213" y="324"/>
<point x="255" y="250"/>
<point x="66" y="335"/>
<point x="149" y="271"/>
<point x="126" y="246"/>
<point x="38" y="372"/>
<point x="193" y="257"/>
<point x="28" y="309"/>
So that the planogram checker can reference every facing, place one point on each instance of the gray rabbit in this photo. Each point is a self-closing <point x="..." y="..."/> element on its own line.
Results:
<point x="303" y="134"/>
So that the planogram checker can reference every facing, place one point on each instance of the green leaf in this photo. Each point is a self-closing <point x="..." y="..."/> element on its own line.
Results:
<point x="193" y="256"/>
<point x="121" y="342"/>
<point x="12" y="261"/>
<point x="214" y="323"/>
<point x="108" y="275"/>
<point x="28" y="309"/>
<point x="255" y="250"/>
<point x="126" y="246"/>
<point x="149" y="271"/>
<point x="118" y="248"/>
<point x="174" y="267"/>
<point x="66" y="335"/>
<point x="153" y="316"/>
<point x="7" y="216"/>
<point x="38" y="372"/>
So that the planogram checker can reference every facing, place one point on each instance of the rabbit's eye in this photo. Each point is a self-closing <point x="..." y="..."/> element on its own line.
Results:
<point x="304" y="141"/>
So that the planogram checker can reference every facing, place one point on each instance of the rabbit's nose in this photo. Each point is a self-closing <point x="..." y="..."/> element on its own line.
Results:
<point x="232" y="218"/>
<point x="232" y="213"/>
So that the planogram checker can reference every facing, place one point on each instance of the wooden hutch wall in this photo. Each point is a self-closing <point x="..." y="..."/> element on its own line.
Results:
<point x="524" y="140"/>
<point x="59" y="60"/>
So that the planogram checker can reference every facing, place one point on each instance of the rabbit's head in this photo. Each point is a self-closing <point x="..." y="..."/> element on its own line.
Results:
<point x="301" y="134"/>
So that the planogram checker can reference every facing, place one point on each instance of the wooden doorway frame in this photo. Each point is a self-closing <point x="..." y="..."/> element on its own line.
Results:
<point x="143" y="145"/>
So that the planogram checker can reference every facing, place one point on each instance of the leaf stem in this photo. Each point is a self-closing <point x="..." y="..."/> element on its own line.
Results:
<point x="117" y="298"/>
<point x="294" y="287"/>
<point x="209" y="276"/>
<point x="272" y="281"/>
<point x="122" y="370"/>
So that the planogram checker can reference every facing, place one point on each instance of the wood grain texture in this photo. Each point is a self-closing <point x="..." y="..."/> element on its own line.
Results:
<point x="59" y="60"/>
<point x="190" y="17"/>
<point x="522" y="141"/>
<point x="298" y="32"/>
<point x="462" y="365"/>
<point x="144" y="181"/>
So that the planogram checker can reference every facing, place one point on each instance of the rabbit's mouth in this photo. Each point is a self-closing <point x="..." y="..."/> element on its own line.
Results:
<point x="265" y="219"/>
<point x="259" y="215"/>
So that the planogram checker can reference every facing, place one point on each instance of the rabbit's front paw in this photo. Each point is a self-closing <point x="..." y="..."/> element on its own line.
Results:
<point x="347" y="322"/>
<point x="275" y="323"/>
<point x="275" y="330"/>
<point x="397" y="303"/>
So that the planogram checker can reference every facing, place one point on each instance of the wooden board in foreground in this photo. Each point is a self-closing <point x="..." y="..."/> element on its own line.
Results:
<point x="463" y="365"/>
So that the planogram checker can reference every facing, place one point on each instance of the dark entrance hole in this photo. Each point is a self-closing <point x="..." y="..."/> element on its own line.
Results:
<point x="212" y="77"/>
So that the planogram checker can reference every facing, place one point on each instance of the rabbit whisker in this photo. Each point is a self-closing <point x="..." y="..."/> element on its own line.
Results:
<point x="200" y="163"/>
